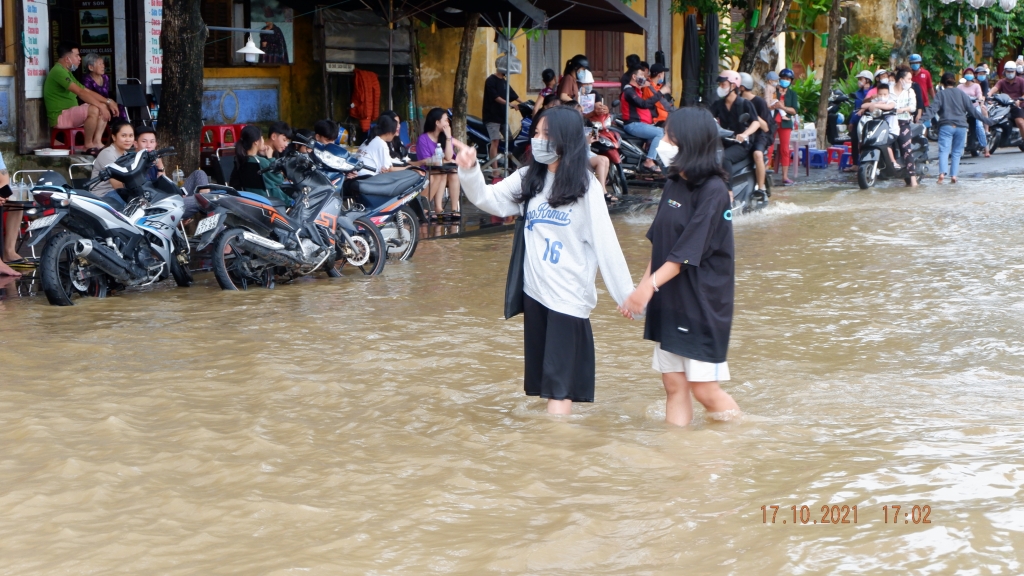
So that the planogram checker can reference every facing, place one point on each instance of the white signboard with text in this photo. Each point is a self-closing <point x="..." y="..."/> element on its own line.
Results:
<point x="37" y="44"/>
<point x="154" y="56"/>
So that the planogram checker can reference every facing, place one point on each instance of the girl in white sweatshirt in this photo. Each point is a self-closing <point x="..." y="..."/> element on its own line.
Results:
<point x="569" y="235"/>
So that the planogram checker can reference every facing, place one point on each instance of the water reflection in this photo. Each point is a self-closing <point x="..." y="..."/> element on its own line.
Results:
<point x="377" y="425"/>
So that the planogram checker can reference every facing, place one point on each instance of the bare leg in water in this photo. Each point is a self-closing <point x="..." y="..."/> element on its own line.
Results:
<point x="559" y="406"/>
<point x="679" y="406"/>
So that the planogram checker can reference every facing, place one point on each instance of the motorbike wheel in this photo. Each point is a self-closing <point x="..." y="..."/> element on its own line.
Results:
<point x="404" y="230"/>
<point x="182" y="275"/>
<point x="369" y="248"/>
<point x="617" y="182"/>
<point x="1021" y="147"/>
<point x="866" y="174"/>
<point x="232" y="270"/>
<point x="59" y="266"/>
<point x="993" y="141"/>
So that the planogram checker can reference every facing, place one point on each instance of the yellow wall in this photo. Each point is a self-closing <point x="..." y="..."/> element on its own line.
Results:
<point x="573" y="42"/>
<point x="678" y="22"/>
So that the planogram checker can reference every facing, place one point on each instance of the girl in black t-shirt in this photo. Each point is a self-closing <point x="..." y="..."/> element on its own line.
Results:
<point x="688" y="286"/>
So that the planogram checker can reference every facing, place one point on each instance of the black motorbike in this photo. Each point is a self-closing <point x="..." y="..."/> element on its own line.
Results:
<point x="256" y="239"/>
<point x="835" y="102"/>
<point x="875" y="138"/>
<point x="743" y="177"/>
<point x="1004" y="133"/>
<point x="973" y="146"/>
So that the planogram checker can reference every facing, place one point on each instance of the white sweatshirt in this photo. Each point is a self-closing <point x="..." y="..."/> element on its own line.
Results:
<point x="564" y="245"/>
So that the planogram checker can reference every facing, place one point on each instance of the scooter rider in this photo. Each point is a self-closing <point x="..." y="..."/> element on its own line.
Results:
<point x="1013" y="86"/>
<point x="864" y="79"/>
<point x="728" y="110"/>
<point x="981" y="70"/>
<point x="762" y="139"/>
<point x="638" y="116"/>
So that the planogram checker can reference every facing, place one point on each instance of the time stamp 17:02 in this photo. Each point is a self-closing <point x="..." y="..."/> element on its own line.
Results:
<point x="836" y="514"/>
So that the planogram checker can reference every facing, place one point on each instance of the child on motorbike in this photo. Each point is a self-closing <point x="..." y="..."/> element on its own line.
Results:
<point x="884" y="101"/>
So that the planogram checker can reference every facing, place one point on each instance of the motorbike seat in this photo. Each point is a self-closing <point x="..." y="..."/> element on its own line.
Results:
<point x="742" y="165"/>
<point x="258" y="198"/>
<point x="389" y="184"/>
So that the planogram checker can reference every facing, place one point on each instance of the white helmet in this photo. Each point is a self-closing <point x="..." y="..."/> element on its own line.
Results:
<point x="1010" y="66"/>
<point x="588" y="78"/>
<point x="746" y="80"/>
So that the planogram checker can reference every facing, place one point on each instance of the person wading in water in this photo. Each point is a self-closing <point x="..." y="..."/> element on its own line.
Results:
<point x="568" y="236"/>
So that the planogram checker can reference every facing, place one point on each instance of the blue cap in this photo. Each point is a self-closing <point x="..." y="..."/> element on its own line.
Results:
<point x="772" y="75"/>
<point x="915" y="57"/>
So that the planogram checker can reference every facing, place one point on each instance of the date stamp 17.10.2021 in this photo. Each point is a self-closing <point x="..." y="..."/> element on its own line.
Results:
<point x="841" y="514"/>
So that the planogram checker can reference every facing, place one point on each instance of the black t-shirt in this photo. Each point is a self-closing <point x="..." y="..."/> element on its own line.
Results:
<point x="494" y="88"/>
<point x="762" y="110"/>
<point x="729" y="118"/>
<point x="691" y="314"/>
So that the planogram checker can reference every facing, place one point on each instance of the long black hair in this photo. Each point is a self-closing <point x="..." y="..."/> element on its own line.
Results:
<point x="564" y="127"/>
<point x="695" y="132"/>
<point x="250" y="135"/>
<point x="430" y="124"/>
<point x="574" y="64"/>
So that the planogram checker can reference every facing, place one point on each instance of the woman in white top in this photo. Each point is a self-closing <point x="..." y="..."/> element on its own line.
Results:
<point x="906" y="105"/>
<point x="568" y="236"/>
<point x="375" y="154"/>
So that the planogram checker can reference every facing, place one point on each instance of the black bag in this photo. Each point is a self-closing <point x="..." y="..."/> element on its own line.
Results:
<point x="514" y="282"/>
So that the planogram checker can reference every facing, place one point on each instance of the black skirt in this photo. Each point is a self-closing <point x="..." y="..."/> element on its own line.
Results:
<point x="559" y="354"/>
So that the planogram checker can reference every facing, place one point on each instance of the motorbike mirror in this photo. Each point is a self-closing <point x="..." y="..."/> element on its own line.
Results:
<point x="744" y="118"/>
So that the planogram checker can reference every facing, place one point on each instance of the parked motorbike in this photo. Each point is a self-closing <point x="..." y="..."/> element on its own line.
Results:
<point x="1003" y="133"/>
<point x="874" y="160"/>
<point x="103" y="249"/>
<point x="476" y="134"/>
<point x="743" y="179"/>
<point x="835" y="102"/>
<point x="256" y="239"/>
<point x="607" y="145"/>
<point x="387" y="199"/>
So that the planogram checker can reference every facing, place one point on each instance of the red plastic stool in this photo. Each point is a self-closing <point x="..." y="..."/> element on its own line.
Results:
<point x="835" y="153"/>
<point x="219" y="136"/>
<point x="72" y="139"/>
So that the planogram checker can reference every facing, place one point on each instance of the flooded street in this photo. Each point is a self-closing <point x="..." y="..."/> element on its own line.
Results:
<point x="378" y="425"/>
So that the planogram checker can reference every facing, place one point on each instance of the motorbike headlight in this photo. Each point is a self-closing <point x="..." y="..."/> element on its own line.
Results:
<point x="605" y="142"/>
<point x="332" y="161"/>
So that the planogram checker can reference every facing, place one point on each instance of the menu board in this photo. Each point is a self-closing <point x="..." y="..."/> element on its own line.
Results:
<point x="93" y="18"/>
<point x="37" y="41"/>
<point x="154" y="12"/>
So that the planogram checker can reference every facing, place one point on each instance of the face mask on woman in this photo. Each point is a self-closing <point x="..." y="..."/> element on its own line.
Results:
<point x="969" y="77"/>
<point x="906" y="84"/>
<point x="542" y="151"/>
<point x="784" y="83"/>
<point x="667" y="152"/>
<point x="723" y="92"/>
<point x="982" y="77"/>
<point x="580" y="75"/>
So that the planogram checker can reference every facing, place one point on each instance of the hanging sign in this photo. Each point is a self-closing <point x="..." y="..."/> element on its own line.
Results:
<point x="37" y="42"/>
<point x="340" y="67"/>
<point x="154" y="59"/>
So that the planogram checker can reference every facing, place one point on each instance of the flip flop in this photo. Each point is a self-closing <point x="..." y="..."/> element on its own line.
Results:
<point x="787" y="182"/>
<point x="18" y="262"/>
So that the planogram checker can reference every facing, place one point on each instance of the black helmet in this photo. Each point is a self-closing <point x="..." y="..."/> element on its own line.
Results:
<point x="580" y="61"/>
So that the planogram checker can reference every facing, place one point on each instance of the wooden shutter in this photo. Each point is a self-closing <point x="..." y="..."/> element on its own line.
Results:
<point x="218" y="44"/>
<point x="605" y="53"/>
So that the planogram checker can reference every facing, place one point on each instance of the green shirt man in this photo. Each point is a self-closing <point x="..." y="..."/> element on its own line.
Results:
<point x="57" y="94"/>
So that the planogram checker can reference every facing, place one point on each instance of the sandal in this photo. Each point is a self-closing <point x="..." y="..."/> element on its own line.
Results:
<point x="92" y="152"/>
<point x="610" y="199"/>
<point x="18" y="262"/>
<point x="787" y="182"/>
<point x="650" y="169"/>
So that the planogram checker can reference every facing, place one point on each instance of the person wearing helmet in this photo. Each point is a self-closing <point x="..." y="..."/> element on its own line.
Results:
<point x="981" y="72"/>
<point x="729" y="110"/>
<point x="569" y="87"/>
<point x="922" y="77"/>
<point x="785" y="109"/>
<point x="638" y="116"/>
<point x="1012" y="85"/>
<point x="864" y="81"/>
<point x="495" y="108"/>
<point x="762" y="139"/>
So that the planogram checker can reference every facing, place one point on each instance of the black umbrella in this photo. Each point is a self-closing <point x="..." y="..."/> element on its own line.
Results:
<point x="691" y="62"/>
<point x="710" y="57"/>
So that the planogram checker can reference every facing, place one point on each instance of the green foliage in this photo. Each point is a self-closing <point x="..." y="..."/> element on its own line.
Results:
<point x="864" y="53"/>
<point x="808" y="92"/>
<point x="939" y="20"/>
<point x="847" y="85"/>
<point x="801" y="20"/>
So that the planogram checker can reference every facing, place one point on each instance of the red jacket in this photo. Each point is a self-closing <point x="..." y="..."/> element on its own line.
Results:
<point x="365" y="99"/>
<point x="636" y="108"/>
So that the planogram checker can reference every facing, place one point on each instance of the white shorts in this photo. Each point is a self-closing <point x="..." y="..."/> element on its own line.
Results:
<point x="696" y="371"/>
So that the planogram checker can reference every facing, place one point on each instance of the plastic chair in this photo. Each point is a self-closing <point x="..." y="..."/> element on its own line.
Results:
<point x="72" y="139"/>
<point x="403" y="133"/>
<point x="819" y="158"/>
<point x="845" y="161"/>
<point x="219" y="136"/>
<point x="835" y="153"/>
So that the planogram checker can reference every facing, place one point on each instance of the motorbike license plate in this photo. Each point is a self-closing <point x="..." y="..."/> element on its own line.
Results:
<point x="207" y="224"/>
<point x="42" y="222"/>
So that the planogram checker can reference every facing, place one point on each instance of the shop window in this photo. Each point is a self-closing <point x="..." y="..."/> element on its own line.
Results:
<point x="218" y="50"/>
<point x="544" y="51"/>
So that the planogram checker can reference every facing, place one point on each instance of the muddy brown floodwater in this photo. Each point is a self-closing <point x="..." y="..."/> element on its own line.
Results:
<point x="377" y="425"/>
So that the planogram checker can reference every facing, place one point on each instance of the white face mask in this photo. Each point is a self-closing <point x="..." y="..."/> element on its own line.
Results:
<point x="586" y="88"/>
<point x="581" y="75"/>
<point x="1010" y="75"/>
<point x="667" y="152"/>
<point x="542" y="151"/>
<point x="723" y="92"/>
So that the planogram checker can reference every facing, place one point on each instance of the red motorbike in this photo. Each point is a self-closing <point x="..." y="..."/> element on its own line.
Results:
<point x="607" y="145"/>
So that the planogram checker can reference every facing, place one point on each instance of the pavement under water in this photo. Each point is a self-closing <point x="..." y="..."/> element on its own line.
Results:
<point x="377" y="425"/>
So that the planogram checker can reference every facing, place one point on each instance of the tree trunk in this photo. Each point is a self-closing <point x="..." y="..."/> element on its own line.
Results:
<point x="826" y="78"/>
<point x="460" y="99"/>
<point x="181" y="108"/>
<point x="904" y="30"/>
<point x="761" y="38"/>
